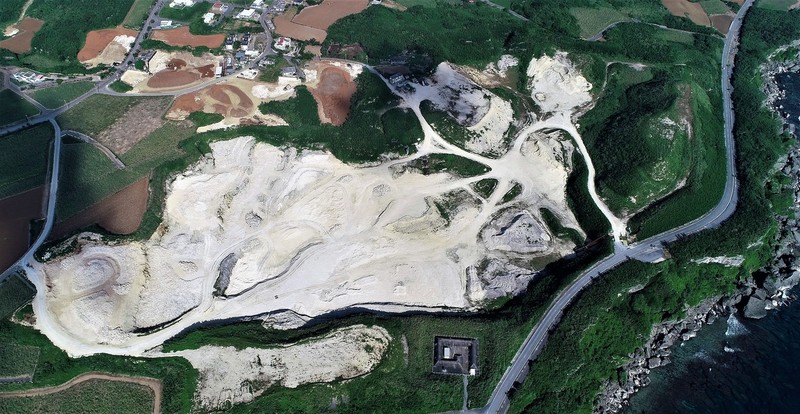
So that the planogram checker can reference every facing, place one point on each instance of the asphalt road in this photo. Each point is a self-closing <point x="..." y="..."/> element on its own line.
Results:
<point x="534" y="343"/>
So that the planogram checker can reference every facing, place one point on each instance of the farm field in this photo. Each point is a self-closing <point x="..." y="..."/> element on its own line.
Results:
<point x="90" y="396"/>
<point x="714" y="7"/>
<point x="14" y="292"/>
<point x="781" y="5"/>
<point x="90" y="177"/>
<point x="118" y="213"/>
<point x="18" y="361"/>
<point x="24" y="157"/>
<point x="14" y="108"/>
<point x="182" y="37"/>
<point x="16" y="213"/>
<point x="56" y="96"/>
<point x="137" y="14"/>
<point x="323" y="15"/>
<point x="117" y="122"/>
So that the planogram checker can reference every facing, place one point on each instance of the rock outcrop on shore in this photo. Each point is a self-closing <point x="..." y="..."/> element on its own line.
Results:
<point x="766" y="289"/>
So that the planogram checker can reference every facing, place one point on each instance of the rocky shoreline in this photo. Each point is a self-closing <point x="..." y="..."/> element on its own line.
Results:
<point x="766" y="289"/>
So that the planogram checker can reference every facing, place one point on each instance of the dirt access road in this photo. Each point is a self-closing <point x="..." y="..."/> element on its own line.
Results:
<point x="153" y="384"/>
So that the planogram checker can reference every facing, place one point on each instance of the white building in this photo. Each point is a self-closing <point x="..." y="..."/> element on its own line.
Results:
<point x="182" y="3"/>
<point x="283" y="43"/>
<point x="209" y="18"/>
<point x="257" y="4"/>
<point x="166" y="23"/>
<point x="249" y="14"/>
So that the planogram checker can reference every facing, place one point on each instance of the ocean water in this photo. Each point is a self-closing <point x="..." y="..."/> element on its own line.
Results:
<point x="791" y="102"/>
<point x="735" y="365"/>
<point x="732" y="366"/>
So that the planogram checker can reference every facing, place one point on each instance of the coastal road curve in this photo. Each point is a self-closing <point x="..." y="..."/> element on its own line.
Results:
<point x="534" y="343"/>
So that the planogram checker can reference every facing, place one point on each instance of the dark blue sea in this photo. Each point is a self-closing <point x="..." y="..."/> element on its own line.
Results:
<point x="735" y="365"/>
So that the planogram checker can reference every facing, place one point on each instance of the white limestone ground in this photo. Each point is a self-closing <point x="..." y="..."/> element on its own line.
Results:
<point x="307" y="235"/>
<point x="557" y="85"/>
<point x="729" y="261"/>
<point x="231" y="376"/>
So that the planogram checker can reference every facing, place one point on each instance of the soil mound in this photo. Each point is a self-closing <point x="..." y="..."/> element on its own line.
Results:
<point x="333" y="94"/>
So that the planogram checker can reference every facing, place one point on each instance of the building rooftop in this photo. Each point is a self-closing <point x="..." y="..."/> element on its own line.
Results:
<point x="456" y="356"/>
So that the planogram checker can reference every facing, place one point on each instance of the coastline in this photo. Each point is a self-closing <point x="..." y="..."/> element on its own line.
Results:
<point x="764" y="290"/>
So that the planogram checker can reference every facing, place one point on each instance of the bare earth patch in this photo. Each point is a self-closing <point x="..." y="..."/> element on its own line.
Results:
<point x="333" y="93"/>
<point x="233" y="99"/>
<point x="21" y="42"/>
<point x="285" y="27"/>
<point x="722" y="22"/>
<point x="175" y="70"/>
<point x="182" y="37"/>
<point x="685" y="8"/>
<point x="106" y="46"/>
<point x="137" y="123"/>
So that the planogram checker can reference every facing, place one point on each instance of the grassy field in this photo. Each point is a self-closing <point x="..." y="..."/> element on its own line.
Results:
<point x="779" y="5"/>
<point x="17" y="361"/>
<point x="14" y="108"/>
<point x="90" y="397"/>
<point x="137" y="14"/>
<point x="593" y="20"/>
<point x="56" y="96"/>
<point x="14" y="292"/>
<point x="97" y="113"/>
<point x="714" y="7"/>
<point x="24" y="157"/>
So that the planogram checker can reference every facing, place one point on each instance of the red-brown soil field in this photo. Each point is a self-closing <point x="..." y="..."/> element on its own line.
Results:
<point x="182" y="37"/>
<point x="21" y="42"/>
<point x="323" y="15"/>
<point x="16" y="213"/>
<point x="97" y="40"/>
<point x="333" y="94"/>
<point x="119" y="213"/>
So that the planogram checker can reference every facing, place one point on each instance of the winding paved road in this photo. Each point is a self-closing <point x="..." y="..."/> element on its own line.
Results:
<point x="534" y="343"/>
